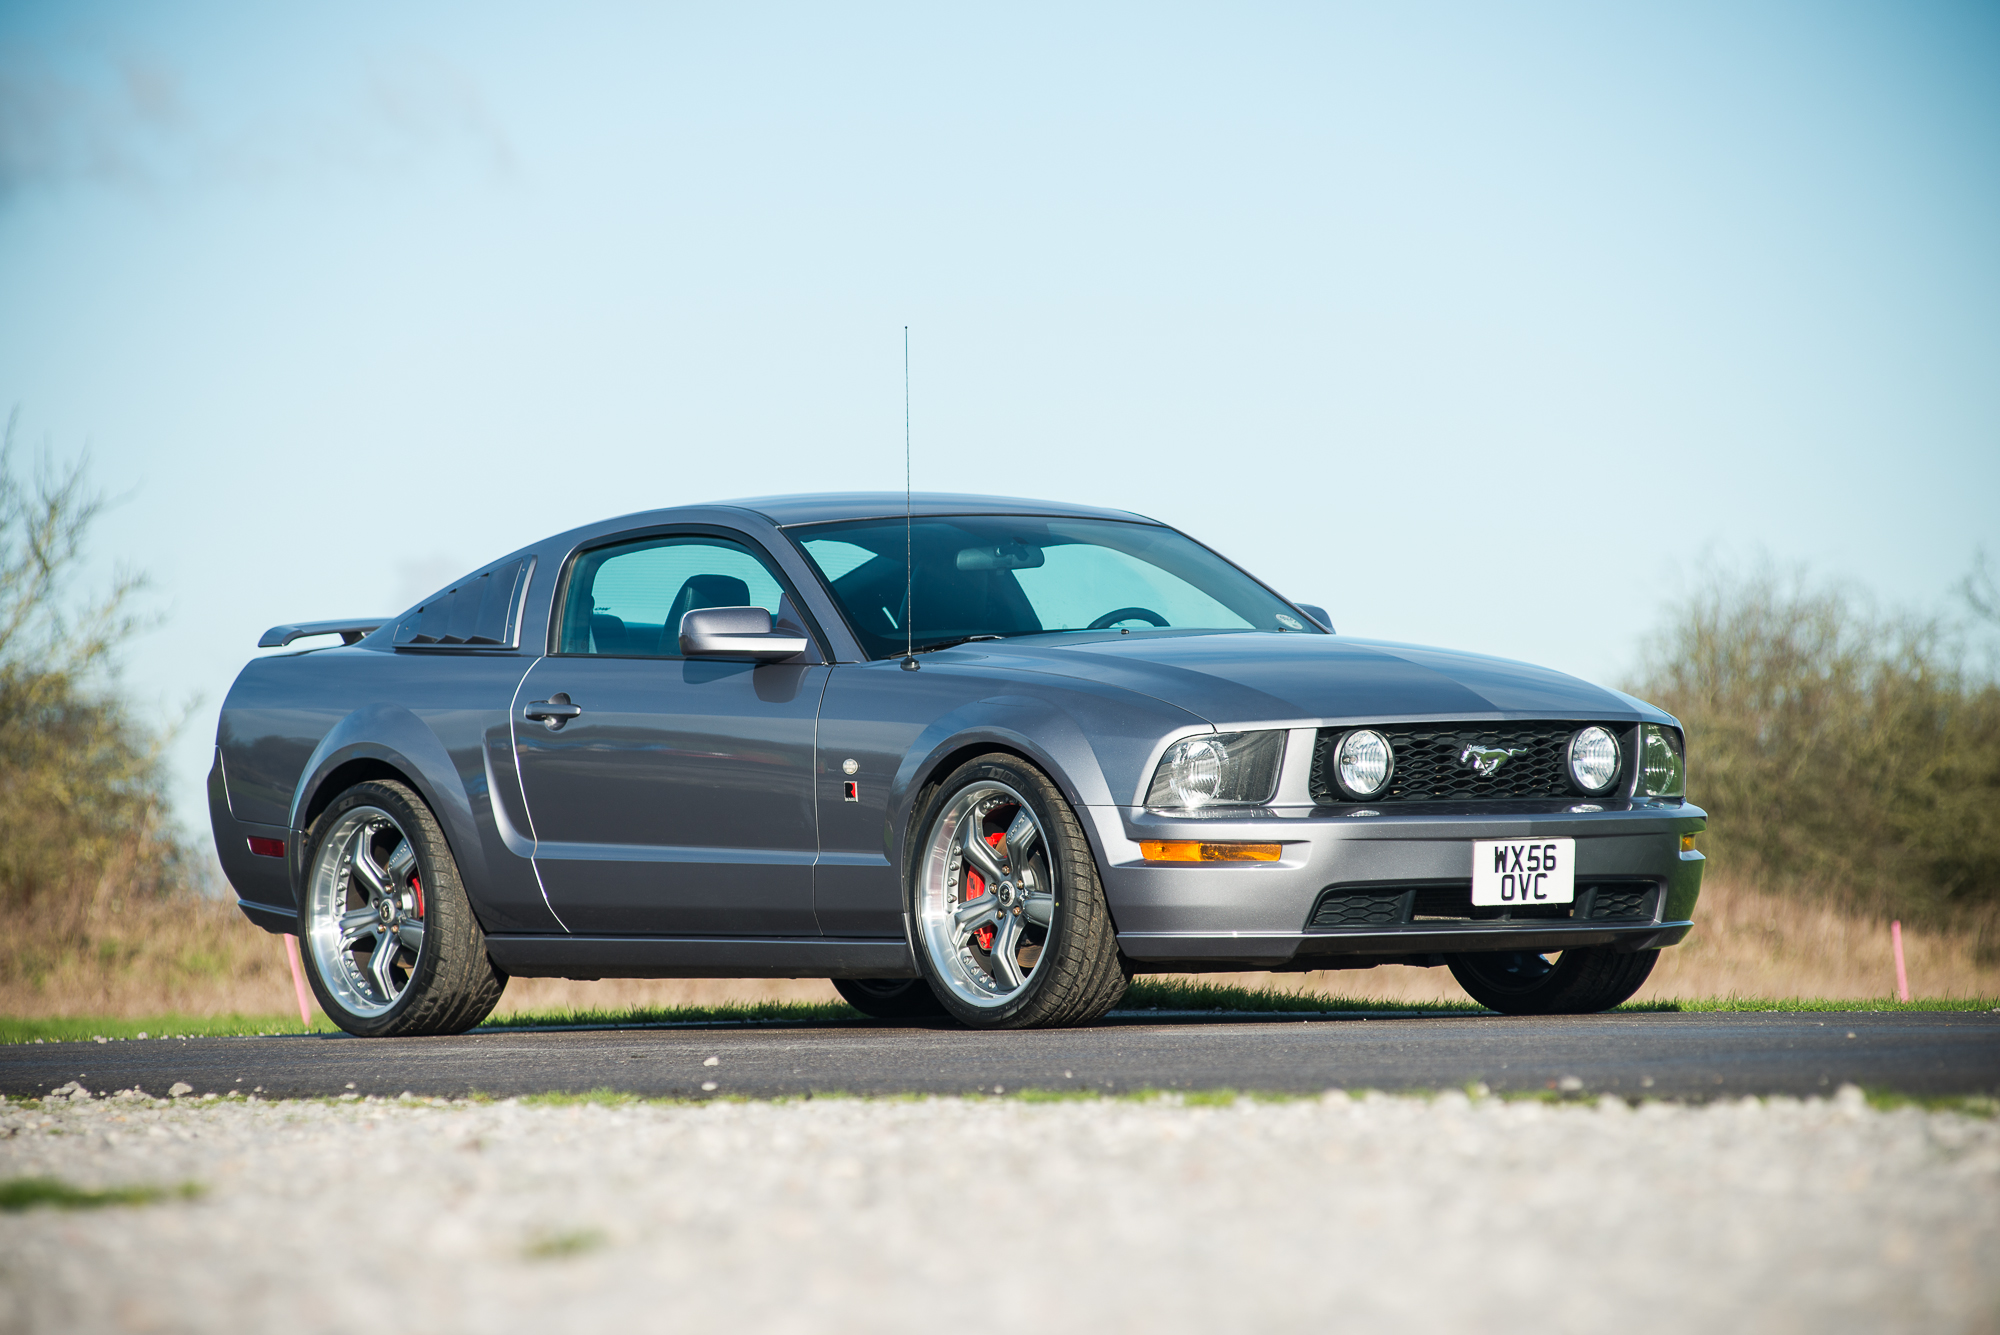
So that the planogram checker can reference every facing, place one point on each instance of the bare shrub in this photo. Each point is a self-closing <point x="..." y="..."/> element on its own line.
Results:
<point x="82" y="809"/>
<point x="1838" y="752"/>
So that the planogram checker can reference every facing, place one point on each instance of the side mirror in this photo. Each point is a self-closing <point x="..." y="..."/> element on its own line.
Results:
<point x="736" y="632"/>
<point x="1317" y="614"/>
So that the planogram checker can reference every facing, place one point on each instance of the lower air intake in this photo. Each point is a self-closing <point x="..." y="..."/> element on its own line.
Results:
<point x="1362" y="909"/>
<point x="1451" y="901"/>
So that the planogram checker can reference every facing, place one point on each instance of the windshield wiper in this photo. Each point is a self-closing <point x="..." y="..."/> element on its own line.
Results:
<point x="954" y="643"/>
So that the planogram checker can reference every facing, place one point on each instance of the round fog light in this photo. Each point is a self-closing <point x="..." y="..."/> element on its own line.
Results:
<point x="1593" y="759"/>
<point x="1364" y="763"/>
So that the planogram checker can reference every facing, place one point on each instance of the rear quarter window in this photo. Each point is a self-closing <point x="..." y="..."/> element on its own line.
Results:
<point x="481" y="611"/>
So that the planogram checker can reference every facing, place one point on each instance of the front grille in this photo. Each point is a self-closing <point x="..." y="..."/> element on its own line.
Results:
<point x="1429" y="768"/>
<point x="1451" y="901"/>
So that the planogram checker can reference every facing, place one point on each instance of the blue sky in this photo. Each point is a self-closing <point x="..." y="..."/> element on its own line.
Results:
<point x="1481" y="325"/>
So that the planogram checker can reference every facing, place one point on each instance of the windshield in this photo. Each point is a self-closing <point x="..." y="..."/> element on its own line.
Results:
<point x="1008" y="575"/>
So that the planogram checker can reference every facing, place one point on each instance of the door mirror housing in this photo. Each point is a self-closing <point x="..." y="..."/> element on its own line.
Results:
<point x="737" y="632"/>
<point x="1317" y="614"/>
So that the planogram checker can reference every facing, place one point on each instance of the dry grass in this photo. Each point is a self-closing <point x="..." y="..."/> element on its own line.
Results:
<point x="1748" y="942"/>
<point x="142" y="956"/>
<point x="1745" y="943"/>
<point x="200" y="957"/>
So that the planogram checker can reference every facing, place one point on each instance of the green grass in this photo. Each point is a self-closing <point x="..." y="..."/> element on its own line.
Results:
<point x="566" y="1242"/>
<point x="602" y="1097"/>
<point x="1972" y="1105"/>
<point x="768" y="1012"/>
<point x="28" y="1193"/>
<point x="86" y="1027"/>
<point x="1164" y="995"/>
<point x="1175" y="994"/>
<point x="1178" y="995"/>
<point x="1790" y="1005"/>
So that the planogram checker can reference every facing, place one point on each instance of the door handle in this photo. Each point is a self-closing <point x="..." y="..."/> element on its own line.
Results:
<point x="554" y="711"/>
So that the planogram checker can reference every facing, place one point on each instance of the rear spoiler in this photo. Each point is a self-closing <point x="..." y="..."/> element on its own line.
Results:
<point x="349" y="631"/>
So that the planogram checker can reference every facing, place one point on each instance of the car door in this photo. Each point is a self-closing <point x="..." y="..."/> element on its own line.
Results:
<point x="670" y="796"/>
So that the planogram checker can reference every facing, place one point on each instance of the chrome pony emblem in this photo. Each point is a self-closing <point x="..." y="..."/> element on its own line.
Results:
<point x="1483" y="760"/>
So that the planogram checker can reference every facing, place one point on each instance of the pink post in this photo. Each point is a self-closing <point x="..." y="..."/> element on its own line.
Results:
<point x="1902" y="978"/>
<point x="305" y="1006"/>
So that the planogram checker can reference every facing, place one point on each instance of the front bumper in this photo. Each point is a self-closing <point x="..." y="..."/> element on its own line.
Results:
<point x="1257" y="915"/>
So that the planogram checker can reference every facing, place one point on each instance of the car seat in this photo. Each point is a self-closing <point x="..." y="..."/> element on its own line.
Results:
<point x="704" y="591"/>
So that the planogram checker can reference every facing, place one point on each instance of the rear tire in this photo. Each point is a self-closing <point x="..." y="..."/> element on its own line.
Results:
<point x="1008" y="917"/>
<point x="890" y="998"/>
<point x="1580" y="982"/>
<point x="386" y="932"/>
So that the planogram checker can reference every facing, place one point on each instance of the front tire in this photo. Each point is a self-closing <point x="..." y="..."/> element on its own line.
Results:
<point x="1577" y="982"/>
<point x="389" y="941"/>
<point x="1011" y="928"/>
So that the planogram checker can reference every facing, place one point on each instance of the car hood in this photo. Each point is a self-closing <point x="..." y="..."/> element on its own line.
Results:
<point x="1257" y="677"/>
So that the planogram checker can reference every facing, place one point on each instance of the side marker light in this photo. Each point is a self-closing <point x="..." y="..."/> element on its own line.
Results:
<point x="1183" y="850"/>
<point x="267" y="848"/>
<point x="1687" y="843"/>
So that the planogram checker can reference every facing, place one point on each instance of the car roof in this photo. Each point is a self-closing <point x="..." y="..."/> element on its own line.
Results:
<point x="831" y="507"/>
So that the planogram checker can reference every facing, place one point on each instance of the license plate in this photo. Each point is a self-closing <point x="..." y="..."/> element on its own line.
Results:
<point x="1523" y="871"/>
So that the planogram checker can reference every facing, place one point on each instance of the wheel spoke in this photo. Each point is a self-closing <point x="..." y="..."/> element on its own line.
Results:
<point x="1022" y="836"/>
<point x="973" y="910"/>
<point x="401" y="863"/>
<point x="1006" y="941"/>
<point x="363" y="861"/>
<point x="987" y="946"/>
<point x="411" y="933"/>
<point x="979" y="854"/>
<point x="356" y="923"/>
<point x="380" y="964"/>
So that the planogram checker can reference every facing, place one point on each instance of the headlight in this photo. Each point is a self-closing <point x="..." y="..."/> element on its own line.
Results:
<point x="1593" y="759"/>
<point x="1364" y="763"/>
<point x="1220" y="769"/>
<point x="1662" y="769"/>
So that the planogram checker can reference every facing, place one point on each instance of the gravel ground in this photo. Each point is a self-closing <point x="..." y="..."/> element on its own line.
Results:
<point x="999" y="1214"/>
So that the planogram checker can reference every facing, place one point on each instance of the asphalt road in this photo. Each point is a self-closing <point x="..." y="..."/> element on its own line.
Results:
<point x="1657" y="1055"/>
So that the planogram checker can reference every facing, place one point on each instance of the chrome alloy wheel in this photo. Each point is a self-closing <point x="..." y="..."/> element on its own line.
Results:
<point x="365" y="911"/>
<point x="986" y="894"/>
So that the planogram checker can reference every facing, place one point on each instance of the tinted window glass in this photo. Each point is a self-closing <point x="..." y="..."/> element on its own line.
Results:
<point x="628" y="600"/>
<point x="1006" y="575"/>
<point x="479" y="612"/>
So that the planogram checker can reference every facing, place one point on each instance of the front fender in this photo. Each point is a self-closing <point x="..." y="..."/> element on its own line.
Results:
<point x="1050" y="736"/>
<point x="1045" y="735"/>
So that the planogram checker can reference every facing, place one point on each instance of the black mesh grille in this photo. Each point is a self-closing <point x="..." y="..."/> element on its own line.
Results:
<point x="1622" y="901"/>
<point x="1360" y="909"/>
<point x="1432" y="764"/>
<point x="1451" y="901"/>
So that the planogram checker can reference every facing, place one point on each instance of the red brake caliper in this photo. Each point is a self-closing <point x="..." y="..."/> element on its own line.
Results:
<point x="975" y="886"/>
<point x="416" y="883"/>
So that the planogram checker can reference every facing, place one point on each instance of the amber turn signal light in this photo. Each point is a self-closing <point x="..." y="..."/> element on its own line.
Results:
<point x="1183" y="850"/>
<point x="1687" y="843"/>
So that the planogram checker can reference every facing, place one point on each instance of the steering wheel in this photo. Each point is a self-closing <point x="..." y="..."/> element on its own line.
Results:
<point x="1110" y="619"/>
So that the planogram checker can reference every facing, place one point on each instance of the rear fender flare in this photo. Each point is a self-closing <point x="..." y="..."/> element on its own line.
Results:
<point x="399" y="739"/>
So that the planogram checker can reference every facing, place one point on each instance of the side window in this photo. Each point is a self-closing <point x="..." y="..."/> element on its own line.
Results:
<point x="628" y="600"/>
<point x="482" y="611"/>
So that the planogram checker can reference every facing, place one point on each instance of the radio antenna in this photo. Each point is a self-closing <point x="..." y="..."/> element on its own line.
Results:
<point x="909" y="567"/>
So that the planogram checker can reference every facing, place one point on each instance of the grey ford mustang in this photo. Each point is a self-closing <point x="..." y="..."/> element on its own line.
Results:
<point x="986" y="759"/>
